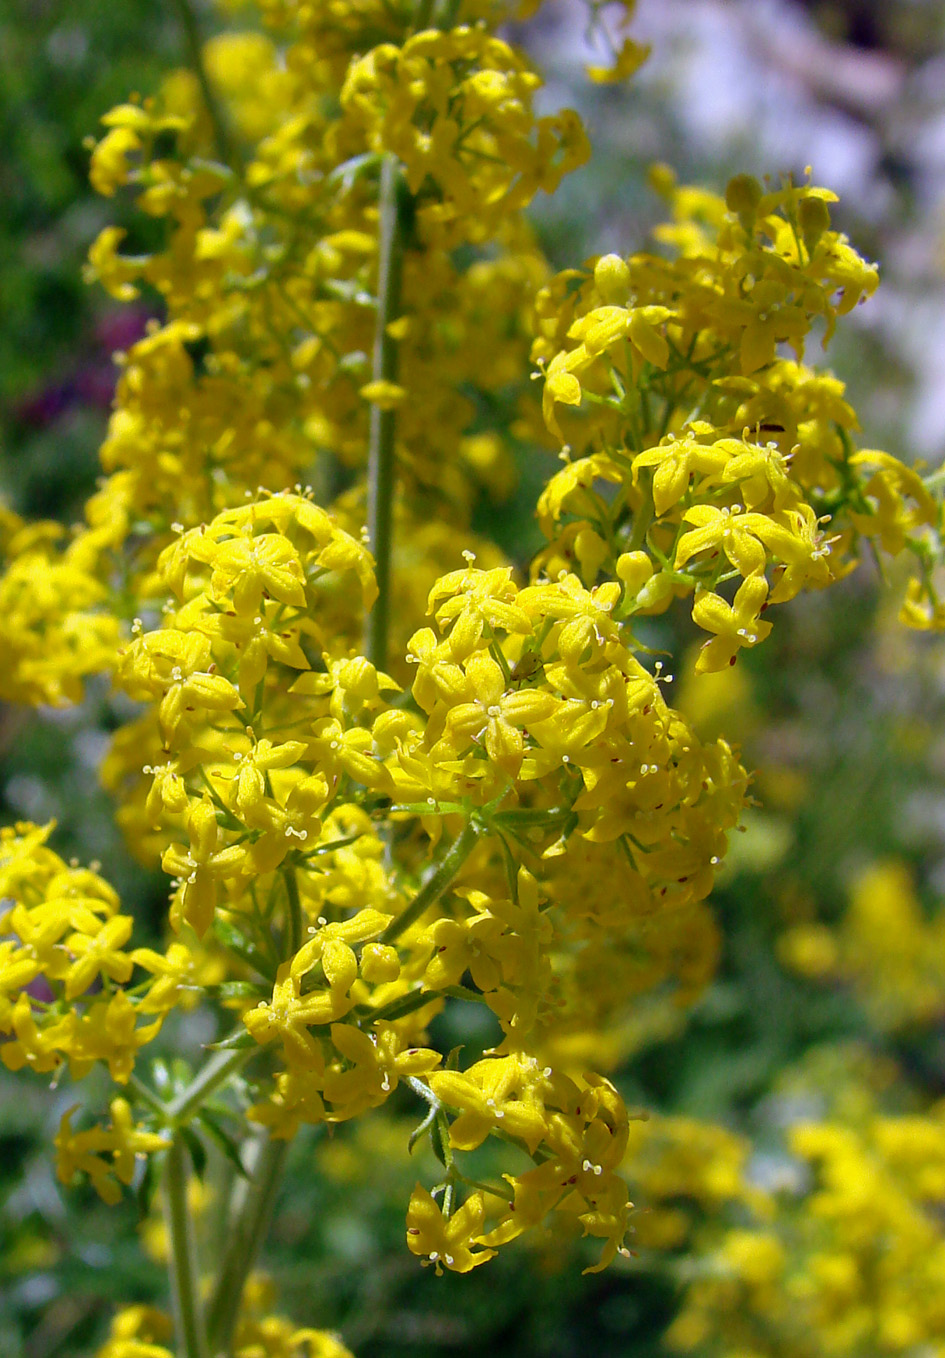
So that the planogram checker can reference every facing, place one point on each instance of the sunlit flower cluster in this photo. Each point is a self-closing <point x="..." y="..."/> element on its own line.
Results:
<point x="696" y="453"/>
<point x="488" y="801"/>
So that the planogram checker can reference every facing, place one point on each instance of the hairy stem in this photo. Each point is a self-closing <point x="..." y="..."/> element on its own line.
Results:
<point x="182" y="1265"/>
<point x="383" y="426"/>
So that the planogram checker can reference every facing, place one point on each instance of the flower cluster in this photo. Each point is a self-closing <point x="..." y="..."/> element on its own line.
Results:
<point x="65" y="964"/>
<point x="697" y="454"/>
<point x="513" y="817"/>
<point x="456" y="109"/>
<point x="145" y="1332"/>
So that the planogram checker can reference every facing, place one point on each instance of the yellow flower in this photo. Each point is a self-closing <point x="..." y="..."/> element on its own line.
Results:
<point x="628" y="61"/>
<point x="384" y="395"/>
<point x="376" y="1063"/>
<point x="505" y="1093"/>
<point x="99" y="954"/>
<point x="734" y="625"/>
<point x="81" y="1152"/>
<point x="39" y="1048"/>
<point x="289" y="1015"/>
<point x="201" y="866"/>
<point x="108" y="1032"/>
<point x="451" y="1242"/>
<point x="496" y="716"/>
<point x="138" y="1332"/>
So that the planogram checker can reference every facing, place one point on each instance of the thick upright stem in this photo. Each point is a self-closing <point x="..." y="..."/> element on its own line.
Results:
<point x="224" y="143"/>
<point x="250" y="1217"/>
<point x="185" y="1281"/>
<point x="383" y="424"/>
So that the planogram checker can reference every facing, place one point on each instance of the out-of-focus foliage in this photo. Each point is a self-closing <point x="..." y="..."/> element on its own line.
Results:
<point x="64" y="66"/>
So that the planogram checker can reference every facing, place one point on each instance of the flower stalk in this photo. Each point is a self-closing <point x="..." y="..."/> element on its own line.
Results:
<point x="216" y="1072"/>
<point x="383" y="422"/>
<point x="225" y="148"/>
<point x="182" y="1260"/>
<point x="251" y="1213"/>
<point x="433" y="888"/>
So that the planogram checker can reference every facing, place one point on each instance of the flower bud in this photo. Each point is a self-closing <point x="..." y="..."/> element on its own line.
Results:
<point x="813" y="218"/>
<point x="612" y="280"/>
<point x="379" y="963"/>
<point x="591" y="550"/>
<point x="742" y="196"/>
<point x="656" y="593"/>
<point x="634" y="569"/>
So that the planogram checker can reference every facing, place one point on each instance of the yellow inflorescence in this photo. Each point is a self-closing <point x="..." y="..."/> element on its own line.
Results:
<point x="514" y="817"/>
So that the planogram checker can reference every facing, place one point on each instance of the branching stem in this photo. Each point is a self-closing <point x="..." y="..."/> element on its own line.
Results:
<point x="217" y="1071"/>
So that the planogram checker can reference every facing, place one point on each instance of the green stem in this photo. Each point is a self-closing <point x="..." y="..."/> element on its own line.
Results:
<point x="383" y="425"/>
<point x="146" y="1095"/>
<point x="424" y="1092"/>
<point x="225" y="149"/>
<point x="249" y="1223"/>
<point x="216" y="1072"/>
<point x="933" y="479"/>
<point x="642" y="520"/>
<point x="530" y="815"/>
<point x="433" y="888"/>
<point x="185" y="1285"/>
<point x="442" y="1123"/>
<point x="293" y="919"/>
<point x="407" y="1004"/>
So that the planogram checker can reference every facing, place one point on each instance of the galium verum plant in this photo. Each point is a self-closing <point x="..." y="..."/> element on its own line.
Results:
<point x="384" y="776"/>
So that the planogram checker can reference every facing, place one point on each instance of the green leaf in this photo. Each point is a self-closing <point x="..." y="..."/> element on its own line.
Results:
<point x="236" y="942"/>
<point x="223" y="1140"/>
<point x="144" y="1193"/>
<point x="436" y="1141"/>
<point x="419" y="1130"/>
<point x="238" y="1041"/>
<point x="196" y="1149"/>
<point x="237" y="990"/>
